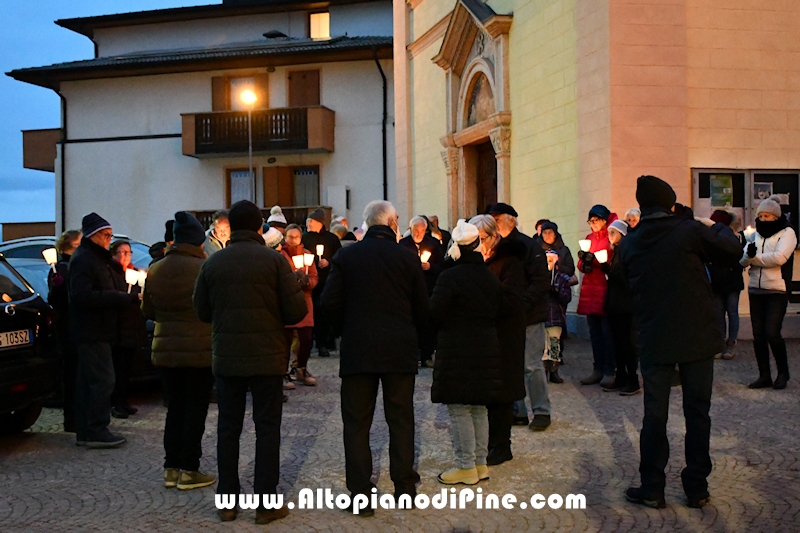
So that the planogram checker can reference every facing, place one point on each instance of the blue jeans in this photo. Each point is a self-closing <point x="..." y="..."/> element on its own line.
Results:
<point x="728" y="304"/>
<point x="469" y="429"/>
<point x="602" y="345"/>
<point x="535" y="376"/>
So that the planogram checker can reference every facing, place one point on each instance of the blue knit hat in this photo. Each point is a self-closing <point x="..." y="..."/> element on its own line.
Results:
<point x="92" y="223"/>
<point x="599" y="211"/>
<point x="187" y="229"/>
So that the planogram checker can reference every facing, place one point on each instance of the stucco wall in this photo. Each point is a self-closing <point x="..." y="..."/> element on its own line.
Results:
<point x="368" y="19"/>
<point x="139" y="184"/>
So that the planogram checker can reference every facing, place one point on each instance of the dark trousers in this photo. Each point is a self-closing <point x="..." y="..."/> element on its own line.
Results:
<point x="427" y="342"/>
<point x="322" y="329"/>
<point x="267" y="394"/>
<point x="188" y="390"/>
<point x="766" y="314"/>
<point x="123" y="362"/>
<point x="696" y="380"/>
<point x="93" y="387"/>
<point x="70" y="356"/>
<point x="305" y="337"/>
<point x="624" y="351"/>
<point x="359" y="393"/>
<point x="501" y="416"/>
<point x="602" y="345"/>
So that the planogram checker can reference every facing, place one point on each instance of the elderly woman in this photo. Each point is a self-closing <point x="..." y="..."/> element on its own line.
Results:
<point x="468" y="369"/>
<point x="632" y="217"/>
<point x="505" y="259"/>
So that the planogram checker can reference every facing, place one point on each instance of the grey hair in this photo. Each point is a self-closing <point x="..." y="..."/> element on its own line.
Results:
<point x="418" y="221"/>
<point x="379" y="213"/>
<point x="487" y="223"/>
<point x="633" y="211"/>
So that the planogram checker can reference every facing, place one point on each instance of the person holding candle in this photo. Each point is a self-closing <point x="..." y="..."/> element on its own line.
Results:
<point x="592" y="296"/>
<point x="58" y="297"/>
<point x="324" y="245"/>
<point x="728" y="283"/>
<point x="429" y="249"/>
<point x="132" y="330"/>
<point x="182" y="352"/>
<point x="307" y="277"/>
<point x="95" y="301"/>
<point x="773" y="244"/>
<point x="559" y="297"/>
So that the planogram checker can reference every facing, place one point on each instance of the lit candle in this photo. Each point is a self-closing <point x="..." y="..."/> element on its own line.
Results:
<point x="320" y="249"/>
<point x="51" y="256"/>
<point x="425" y="256"/>
<point x="131" y="278"/>
<point x="308" y="260"/>
<point x="585" y="245"/>
<point x="601" y="255"/>
<point x="750" y="234"/>
<point x="142" y="278"/>
<point x="298" y="261"/>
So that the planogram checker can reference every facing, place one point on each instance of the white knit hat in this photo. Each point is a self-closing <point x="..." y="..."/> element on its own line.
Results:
<point x="769" y="206"/>
<point x="620" y="226"/>
<point x="273" y="238"/>
<point x="276" y="215"/>
<point x="463" y="234"/>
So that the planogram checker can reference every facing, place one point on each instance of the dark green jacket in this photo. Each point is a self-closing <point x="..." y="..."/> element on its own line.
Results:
<point x="248" y="293"/>
<point x="181" y="339"/>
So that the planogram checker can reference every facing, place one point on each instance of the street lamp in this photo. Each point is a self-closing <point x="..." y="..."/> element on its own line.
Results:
<point x="249" y="98"/>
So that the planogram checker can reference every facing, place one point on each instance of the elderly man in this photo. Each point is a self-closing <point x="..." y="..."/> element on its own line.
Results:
<point x="317" y="235"/>
<point x="537" y="277"/>
<point x="441" y="235"/>
<point x="219" y="234"/>
<point x="249" y="294"/>
<point x="675" y="322"/>
<point x="94" y="306"/>
<point x="376" y="298"/>
<point x="420" y="242"/>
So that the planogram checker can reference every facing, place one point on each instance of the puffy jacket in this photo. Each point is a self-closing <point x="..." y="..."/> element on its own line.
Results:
<point x="248" y="293"/>
<point x="772" y="253"/>
<point x="287" y="252"/>
<point x="594" y="284"/>
<point x="181" y="339"/>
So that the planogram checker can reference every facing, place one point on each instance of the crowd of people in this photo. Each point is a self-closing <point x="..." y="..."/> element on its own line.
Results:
<point x="240" y="306"/>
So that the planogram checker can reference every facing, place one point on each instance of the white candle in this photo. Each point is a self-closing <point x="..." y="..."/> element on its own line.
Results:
<point x="601" y="255"/>
<point x="298" y="261"/>
<point x="51" y="256"/>
<point x="142" y="278"/>
<point x="131" y="278"/>
<point x="320" y="249"/>
<point x="308" y="259"/>
<point x="585" y="245"/>
<point x="750" y="234"/>
<point x="425" y="256"/>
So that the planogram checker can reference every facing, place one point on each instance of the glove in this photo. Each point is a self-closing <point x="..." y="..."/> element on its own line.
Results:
<point x="587" y="258"/>
<point x="751" y="250"/>
<point x="302" y="279"/>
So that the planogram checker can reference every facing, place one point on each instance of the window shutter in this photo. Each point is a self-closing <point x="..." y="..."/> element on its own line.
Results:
<point x="261" y="82"/>
<point x="220" y="100"/>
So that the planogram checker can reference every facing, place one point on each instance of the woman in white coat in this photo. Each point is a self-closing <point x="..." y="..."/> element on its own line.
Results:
<point x="774" y="244"/>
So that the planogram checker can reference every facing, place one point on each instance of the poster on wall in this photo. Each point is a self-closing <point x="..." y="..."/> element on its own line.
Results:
<point x="761" y="191"/>
<point x="721" y="190"/>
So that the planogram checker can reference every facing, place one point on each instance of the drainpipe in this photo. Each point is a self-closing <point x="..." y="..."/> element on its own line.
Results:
<point x="385" y="118"/>
<point x="63" y="160"/>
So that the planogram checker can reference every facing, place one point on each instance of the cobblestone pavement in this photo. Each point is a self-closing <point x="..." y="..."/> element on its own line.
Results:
<point x="49" y="484"/>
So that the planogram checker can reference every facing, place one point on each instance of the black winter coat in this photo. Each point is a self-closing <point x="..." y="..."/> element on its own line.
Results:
<point x="332" y="245"/>
<point x="537" y="278"/>
<point x="674" y="315"/>
<point x="432" y="245"/>
<point x="465" y="307"/>
<point x="94" y="299"/>
<point x="727" y="277"/>
<point x="131" y="320"/>
<point x="58" y="295"/>
<point x="618" y="296"/>
<point x="507" y="264"/>
<point x="566" y="263"/>
<point x="249" y="294"/>
<point x="376" y="299"/>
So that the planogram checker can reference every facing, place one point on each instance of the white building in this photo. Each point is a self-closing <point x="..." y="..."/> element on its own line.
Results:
<point x="154" y="123"/>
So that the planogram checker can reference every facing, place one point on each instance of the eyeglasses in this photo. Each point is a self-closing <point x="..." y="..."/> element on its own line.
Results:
<point x="120" y="252"/>
<point x="106" y="234"/>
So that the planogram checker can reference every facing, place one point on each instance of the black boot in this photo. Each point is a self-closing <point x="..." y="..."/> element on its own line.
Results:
<point x="763" y="381"/>
<point x="780" y="381"/>
<point x="499" y="455"/>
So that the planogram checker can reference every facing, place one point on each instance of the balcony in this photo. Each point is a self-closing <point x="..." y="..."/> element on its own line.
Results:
<point x="291" y="130"/>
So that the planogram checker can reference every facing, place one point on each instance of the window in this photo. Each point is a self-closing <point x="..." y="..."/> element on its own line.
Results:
<point x="320" y="25"/>
<point x="306" y="186"/>
<point x="239" y="186"/>
<point x="291" y="186"/>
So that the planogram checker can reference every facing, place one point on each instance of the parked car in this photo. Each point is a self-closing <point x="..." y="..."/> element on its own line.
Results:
<point x="30" y="365"/>
<point x="32" y="248"/>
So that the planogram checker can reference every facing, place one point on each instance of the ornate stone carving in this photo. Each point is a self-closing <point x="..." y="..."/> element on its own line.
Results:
<point x="501" y="140"/>
<point x="450" y="156"/>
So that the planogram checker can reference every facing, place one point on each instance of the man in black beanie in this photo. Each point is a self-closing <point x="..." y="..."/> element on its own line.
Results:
<point x="318" y="235"/>
<point x="675" y="322"/>
<point x="94" y="304"/>
<point x="248" y="293"/>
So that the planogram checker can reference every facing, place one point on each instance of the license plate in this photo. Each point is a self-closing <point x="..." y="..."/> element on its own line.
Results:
<point x="15" y="338"/>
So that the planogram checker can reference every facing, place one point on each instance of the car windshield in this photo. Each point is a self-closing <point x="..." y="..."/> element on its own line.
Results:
<point x="12" y="286"/>
<point x="27" y="251"/>
<point x="36" y="276"/>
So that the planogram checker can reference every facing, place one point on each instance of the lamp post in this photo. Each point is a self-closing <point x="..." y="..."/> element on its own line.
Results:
<point x="249" y="98"/>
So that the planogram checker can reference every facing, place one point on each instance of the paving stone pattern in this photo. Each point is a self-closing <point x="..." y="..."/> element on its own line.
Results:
<point x="48" y="484"/>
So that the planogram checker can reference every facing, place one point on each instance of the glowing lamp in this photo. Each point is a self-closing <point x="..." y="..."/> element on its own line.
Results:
<point x="248" y="97"/>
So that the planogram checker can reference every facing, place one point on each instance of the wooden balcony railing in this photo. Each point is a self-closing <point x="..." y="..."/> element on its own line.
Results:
<point x="275" y="131"/>
<point x="293" y="214"/>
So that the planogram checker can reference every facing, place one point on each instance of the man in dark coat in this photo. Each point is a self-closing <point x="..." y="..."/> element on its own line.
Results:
<point x="94" y="305"/>
<point x="535" y="298"/>
<point x="376" y="298"/>
<point x="249" y="294"/>
<point x="419" y="242"/>
<point x="315" y="236"/>
<point x="675" y="323"/>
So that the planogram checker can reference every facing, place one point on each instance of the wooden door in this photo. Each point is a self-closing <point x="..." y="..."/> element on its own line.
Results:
<point x="486" y="176"/>
<point x="304" y="88"/>
<point x="278" y="186"/>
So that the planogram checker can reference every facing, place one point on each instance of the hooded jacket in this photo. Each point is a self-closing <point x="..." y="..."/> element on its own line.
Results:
<point x="566" y="263"/>
<point x="772" y="253"/>
<point x="594" y="284"/>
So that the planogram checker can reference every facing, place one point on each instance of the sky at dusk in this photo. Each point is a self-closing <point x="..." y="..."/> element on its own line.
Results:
<point x="29" y="38"/>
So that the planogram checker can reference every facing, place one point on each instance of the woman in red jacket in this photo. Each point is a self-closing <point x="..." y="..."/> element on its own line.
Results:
<point x="593" y="294"/>
<point x="293" y="246"/>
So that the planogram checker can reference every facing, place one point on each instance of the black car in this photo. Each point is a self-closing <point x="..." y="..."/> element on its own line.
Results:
<point x="30" y="366"/>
